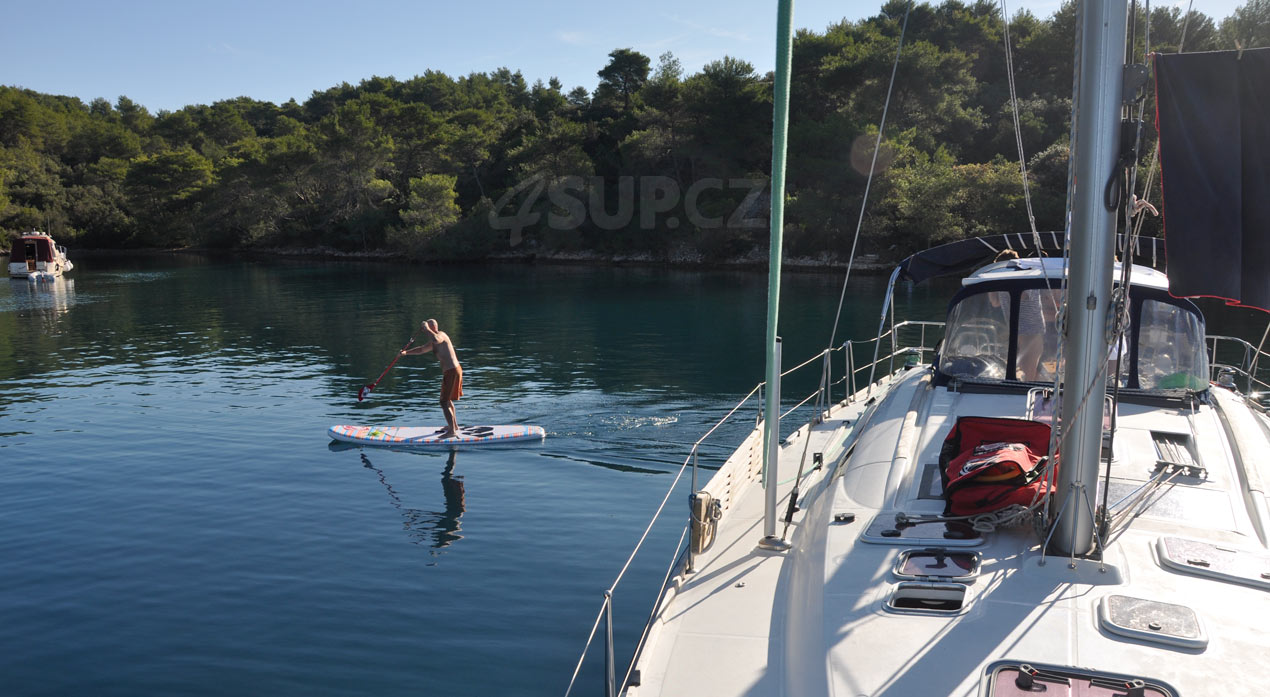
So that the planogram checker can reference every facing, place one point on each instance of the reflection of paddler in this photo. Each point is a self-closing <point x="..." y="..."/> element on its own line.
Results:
<point x="452" y="488"/>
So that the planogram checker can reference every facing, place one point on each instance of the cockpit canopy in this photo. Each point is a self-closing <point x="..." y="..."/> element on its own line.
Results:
<point x="1003" y="326"/>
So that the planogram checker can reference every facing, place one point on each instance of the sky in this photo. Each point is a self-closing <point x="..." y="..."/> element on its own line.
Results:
<point x="168" y="54"/>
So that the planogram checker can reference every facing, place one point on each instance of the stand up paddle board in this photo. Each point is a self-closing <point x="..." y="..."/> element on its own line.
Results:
<point x="413" y="436"/>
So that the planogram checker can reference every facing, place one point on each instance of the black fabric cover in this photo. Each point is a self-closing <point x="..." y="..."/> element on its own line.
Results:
<point x="963" y="256"/>
<point x="1213" y="116"/>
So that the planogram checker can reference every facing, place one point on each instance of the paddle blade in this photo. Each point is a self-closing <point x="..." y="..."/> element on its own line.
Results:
<point x="361" y="394"/>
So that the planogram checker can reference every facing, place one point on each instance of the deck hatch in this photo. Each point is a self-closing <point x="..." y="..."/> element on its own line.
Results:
<point x="927" y="598"/>
<point x="1221" y="563"/>
<point x="885" y="530"/>
<point x="1012" y="679"/>
<point x="1174" y="450"/>
<point x="1151" y="620"/>
<point x="937" y="564"/>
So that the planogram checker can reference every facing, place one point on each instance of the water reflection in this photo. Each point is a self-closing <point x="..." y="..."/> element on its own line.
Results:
<point x="46" y="298"/>
<point x="438" y="529"/>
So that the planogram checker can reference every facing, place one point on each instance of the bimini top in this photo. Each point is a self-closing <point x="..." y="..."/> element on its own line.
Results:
<point x="964" y="256"/>
<point x="1053" y="270"/>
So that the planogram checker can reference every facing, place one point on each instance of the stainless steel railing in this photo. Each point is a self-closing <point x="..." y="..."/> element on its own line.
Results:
<point x="1238" y="357"/>
<point x="745" y="463"/>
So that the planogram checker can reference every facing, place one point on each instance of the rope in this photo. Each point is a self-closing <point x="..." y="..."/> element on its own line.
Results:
<point x="1018" y="130"/>
<point x="1133" y="208"/>
<point x="877" y="147"/>
<point x="1014" y="515"/>
<point x="1185" y="23"/>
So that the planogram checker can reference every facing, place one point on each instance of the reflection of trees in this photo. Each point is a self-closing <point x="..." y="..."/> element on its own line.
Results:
<point x="438" y="528"/>
<point x="546" y="330"/>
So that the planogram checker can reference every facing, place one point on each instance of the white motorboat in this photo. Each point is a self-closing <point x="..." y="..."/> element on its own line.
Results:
<point x="1061" y="490"/>
<point x="35" y="256"/>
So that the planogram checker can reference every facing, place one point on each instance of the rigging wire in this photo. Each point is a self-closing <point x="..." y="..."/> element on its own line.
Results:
<point x="877" y="147"/>
<point x="1014" y="110"/>
<point x="1155" y="152"/>
<point x="1130" y="209"/>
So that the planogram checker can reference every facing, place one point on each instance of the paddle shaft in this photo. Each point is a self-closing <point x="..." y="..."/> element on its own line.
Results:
<point x="361" y="394"/>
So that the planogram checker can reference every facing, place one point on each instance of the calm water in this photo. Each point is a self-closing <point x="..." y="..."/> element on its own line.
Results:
<point x="176" y="521"/>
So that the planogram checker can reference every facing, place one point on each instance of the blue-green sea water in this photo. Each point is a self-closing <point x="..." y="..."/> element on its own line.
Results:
<point x="175" y="520"/>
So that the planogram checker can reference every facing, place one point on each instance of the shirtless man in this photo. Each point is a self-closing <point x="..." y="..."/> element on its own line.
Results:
<point x="452" y="380"/>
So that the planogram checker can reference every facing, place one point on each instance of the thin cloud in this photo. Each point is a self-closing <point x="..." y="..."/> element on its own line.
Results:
<point x="573" y="38"/>
<point x="710" y="31"/>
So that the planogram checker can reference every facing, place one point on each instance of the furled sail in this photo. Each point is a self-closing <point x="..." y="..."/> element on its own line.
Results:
<point x="1213" y="116"/>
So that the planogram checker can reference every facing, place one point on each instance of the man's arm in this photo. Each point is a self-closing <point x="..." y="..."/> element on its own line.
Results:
<point x="418" y="350"/>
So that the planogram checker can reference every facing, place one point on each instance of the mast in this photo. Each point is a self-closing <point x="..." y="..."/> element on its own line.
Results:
<point x="780" y="129"/>
<point x="1095" y="149"/>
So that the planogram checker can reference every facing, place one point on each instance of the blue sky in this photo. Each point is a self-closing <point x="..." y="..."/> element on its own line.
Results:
<point x="167" y="54"/>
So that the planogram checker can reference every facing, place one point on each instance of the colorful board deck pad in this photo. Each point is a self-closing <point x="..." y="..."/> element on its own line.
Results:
<point x="423" y="436"/>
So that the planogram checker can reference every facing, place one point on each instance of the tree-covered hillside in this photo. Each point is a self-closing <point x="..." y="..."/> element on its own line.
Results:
<point x="653" y="161"/>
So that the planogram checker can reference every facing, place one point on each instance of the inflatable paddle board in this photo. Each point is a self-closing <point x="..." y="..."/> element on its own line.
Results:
<point x="422" y="436"/>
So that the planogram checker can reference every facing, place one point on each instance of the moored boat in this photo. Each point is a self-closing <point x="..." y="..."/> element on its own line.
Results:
<point x="36" y="256"/>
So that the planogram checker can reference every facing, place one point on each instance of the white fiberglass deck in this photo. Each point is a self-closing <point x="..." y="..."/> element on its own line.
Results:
<point x="814" y="621"/>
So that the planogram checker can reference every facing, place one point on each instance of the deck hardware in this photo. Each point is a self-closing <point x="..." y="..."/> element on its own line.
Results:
<point x="890" y="532"/>
<point x="1135" y="688"/>
<point x="1135" y="78"/>
<point x="1226" y="378"/>
<point x="925" y="598"/>
<point x="1249" y="567"/>
<point x="634" y="681"/>
<point x="1152" y="621"/>
<point x="773" y="543"/>
<point x="1026" y="677"/>
<point x="818" y="459"/>
<point x="844" y="517"/>
<point x="740" y="584"/>
<point x="937" y="564"/>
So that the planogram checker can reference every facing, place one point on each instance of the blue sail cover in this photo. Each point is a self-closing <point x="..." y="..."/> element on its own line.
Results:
<point x="1213" y="116"/>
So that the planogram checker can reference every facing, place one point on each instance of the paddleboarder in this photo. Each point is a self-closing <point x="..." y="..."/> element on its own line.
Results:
<point x="452" y="374"/>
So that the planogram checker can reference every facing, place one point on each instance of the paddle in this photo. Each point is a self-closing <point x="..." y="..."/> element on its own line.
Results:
<point x="361" y="394"/>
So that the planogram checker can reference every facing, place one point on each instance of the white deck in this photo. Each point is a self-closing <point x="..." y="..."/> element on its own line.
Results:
<point x="812" y="621"/>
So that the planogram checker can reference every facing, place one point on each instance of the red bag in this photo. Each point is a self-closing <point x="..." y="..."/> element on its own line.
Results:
<point x="989" y="463"/>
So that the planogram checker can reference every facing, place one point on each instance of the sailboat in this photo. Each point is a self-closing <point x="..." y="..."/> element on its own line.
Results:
<point x="1066" y="495"/>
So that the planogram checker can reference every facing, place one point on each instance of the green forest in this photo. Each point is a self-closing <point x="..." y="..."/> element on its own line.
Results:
<point x="652" y="163"/>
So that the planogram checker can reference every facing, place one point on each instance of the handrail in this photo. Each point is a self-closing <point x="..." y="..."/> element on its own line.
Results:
<point x="813" y="359"/>
<point x="899" y="349"/>
<point x="849" y="379"/>
<point x="1247" y="366"/>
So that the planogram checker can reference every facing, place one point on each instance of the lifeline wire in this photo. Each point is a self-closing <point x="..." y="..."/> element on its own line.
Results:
<point x="877" y="147"/>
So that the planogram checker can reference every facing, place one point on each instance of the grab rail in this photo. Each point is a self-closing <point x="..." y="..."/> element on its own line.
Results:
<point x="897" y="348"/>
<point x="824" y="390"/>
<point x="1247" y="366"/>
